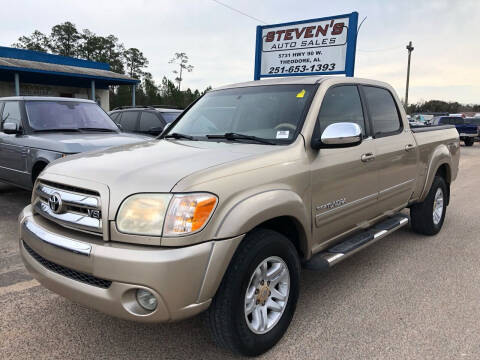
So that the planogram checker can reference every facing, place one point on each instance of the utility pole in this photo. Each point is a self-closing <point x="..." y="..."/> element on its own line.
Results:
<point x="410" y="49"/>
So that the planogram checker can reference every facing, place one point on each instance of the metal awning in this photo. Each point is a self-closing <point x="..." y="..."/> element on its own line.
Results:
<point x="35" y="67"/>
<point x="28" y="66"/>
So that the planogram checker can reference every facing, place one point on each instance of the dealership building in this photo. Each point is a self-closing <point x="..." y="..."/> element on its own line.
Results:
<point x="34" y="73"/>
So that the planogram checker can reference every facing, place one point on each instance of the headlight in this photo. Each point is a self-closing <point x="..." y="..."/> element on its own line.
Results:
<point x="143" y="214"/>
<point x="165" y="214"/>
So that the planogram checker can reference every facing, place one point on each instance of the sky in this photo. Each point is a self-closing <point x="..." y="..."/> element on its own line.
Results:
<point x="220" y="42"/>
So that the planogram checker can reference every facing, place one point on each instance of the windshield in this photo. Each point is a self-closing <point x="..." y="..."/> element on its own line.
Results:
<point x="170" y="116"/>
<point x="272" y="112"/>
<point x="67" y="115"/>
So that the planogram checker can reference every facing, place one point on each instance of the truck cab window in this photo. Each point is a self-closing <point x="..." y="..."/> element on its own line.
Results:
<point x="341" y="104"/>
<point x="11" y="114"/>
<point x="382" y="109"/>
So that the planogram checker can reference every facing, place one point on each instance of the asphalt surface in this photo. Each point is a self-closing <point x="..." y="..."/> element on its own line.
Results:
<point x="406" y="297"/>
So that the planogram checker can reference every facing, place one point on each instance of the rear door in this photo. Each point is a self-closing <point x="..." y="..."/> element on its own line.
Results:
<point x="150" y="123"/>
<point x="129" y="120"/>
<point x="395" y="149"/>
<point x="13" y="154"/>
<point x="344" y="187"/>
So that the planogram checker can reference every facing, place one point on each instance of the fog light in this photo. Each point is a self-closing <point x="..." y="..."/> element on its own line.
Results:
<point x="146" y="299"/>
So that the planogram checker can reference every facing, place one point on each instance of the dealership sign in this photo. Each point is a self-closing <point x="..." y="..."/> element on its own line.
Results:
<point x="309" y="47"/>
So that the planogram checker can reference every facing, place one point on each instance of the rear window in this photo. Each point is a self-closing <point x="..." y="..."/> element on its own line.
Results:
<point x="149" y="121"/>
<point x="458" y="121"/>
<point x="129" y="120"/>
<point x="170" y="116"/>
<point x="382" y="110"/>
<point x="443" y="121"/>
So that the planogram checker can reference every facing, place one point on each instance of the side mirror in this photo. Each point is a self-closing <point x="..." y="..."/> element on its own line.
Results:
<point x="11" y="128"/>
<point x="119" y="126"/>
<point x="342" y="134"/>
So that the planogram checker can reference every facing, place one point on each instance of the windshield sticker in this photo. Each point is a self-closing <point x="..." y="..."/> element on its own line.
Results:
<point x="283" y="134"/>
<point x="301" y="94"/>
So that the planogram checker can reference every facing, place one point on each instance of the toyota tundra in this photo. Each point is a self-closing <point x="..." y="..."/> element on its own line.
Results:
<point x="251" y="184"/>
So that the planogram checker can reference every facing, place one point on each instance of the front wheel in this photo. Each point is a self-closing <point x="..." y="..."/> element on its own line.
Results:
<point x="469" y="141"/>
<point x="257" y="298"/>
<point x="427" y="217"/>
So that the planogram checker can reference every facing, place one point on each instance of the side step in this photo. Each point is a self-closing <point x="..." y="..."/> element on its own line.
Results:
<point x="326" y="259"/>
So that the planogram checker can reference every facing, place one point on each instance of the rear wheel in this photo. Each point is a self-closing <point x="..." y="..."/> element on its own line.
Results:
<point x="469" y="141"/>
<point x="427" y="217"/>
<point x="257" y="298"/>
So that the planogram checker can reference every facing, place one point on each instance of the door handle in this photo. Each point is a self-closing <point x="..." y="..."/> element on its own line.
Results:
<point x="367" y="157"/>
<point x="409" y="147"/>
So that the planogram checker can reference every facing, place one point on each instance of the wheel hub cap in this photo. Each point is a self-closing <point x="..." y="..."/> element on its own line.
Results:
<point x="263" y="294"/>
<point x="438" y="206"/>
<point x="267" y="295"/>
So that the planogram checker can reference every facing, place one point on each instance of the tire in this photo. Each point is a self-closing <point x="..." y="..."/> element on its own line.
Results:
<point x="230" y="326"/>
<point x="423" y="219"/>
<point x="37" y="169"/>
<point x="469" y="141"/>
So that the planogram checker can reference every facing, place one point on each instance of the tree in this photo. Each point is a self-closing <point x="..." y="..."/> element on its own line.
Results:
<point x="111" y="52"/>
<point x="135" y="62"/>
<point x="152" y="93"/>
<point x="38" y="41"/>
<point x="180" y="59"/>
<point x="89" y="45"/>
<point x="102" y="49"/>
<point x="64" y="39"/>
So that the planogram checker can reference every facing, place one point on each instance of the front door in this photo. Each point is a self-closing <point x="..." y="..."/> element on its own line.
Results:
<point x="13" y="160"/>
<point x="395" y="150"/>
<point x="344" y="187"/>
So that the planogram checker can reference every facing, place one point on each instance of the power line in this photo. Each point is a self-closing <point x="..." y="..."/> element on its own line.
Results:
<point x="264" y="22"/>
<point x="239" y="11"/>
<point x="380" y="50"/>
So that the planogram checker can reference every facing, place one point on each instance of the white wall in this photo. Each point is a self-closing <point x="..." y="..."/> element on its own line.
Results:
<point x="101" y="95"/>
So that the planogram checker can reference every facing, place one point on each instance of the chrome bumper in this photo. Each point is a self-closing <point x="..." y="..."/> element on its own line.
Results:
<point x="62" y="242"/>
<point x="182" y="279"/>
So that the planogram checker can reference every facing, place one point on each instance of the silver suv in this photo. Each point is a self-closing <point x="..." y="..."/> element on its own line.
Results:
<point x="145" y="120"/>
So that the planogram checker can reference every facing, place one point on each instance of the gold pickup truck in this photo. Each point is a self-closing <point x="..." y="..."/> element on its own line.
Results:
<point x="252" y="183"/>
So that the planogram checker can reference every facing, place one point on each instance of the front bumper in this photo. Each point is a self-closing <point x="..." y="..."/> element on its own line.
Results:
<point x="183" y="280"/>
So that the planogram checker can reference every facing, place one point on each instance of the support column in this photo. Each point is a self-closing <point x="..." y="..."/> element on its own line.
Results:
<point x="93" y="90"/>
<point x="17" y="84"/>
<point x="133" y="94"/>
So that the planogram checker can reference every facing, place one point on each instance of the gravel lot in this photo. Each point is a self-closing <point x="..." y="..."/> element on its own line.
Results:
<point x="406" y="297"/>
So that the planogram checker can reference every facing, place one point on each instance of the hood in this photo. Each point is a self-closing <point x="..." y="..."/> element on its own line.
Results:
<point x="153" y="166"/>
<point x="71" y="143"/>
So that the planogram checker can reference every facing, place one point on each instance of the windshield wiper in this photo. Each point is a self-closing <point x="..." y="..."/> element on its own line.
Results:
<point x="97" y="129"/>
<point x="56" y="130"/>
<point x="237" y="136"/>
<point x="179" y="136"/>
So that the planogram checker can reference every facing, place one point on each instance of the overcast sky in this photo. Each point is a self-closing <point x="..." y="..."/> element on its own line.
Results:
<point x="220" y="42"/>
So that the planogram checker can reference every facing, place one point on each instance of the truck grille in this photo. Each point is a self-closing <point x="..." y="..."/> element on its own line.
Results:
<point x="69" y="206"/>
<point x="70" y="273"/>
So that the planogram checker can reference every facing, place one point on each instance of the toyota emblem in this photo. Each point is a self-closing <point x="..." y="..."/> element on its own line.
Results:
<point x="55" y="203"/>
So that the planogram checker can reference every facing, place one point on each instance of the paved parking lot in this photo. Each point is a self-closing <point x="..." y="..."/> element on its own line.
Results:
<point x="406" y="297"/>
